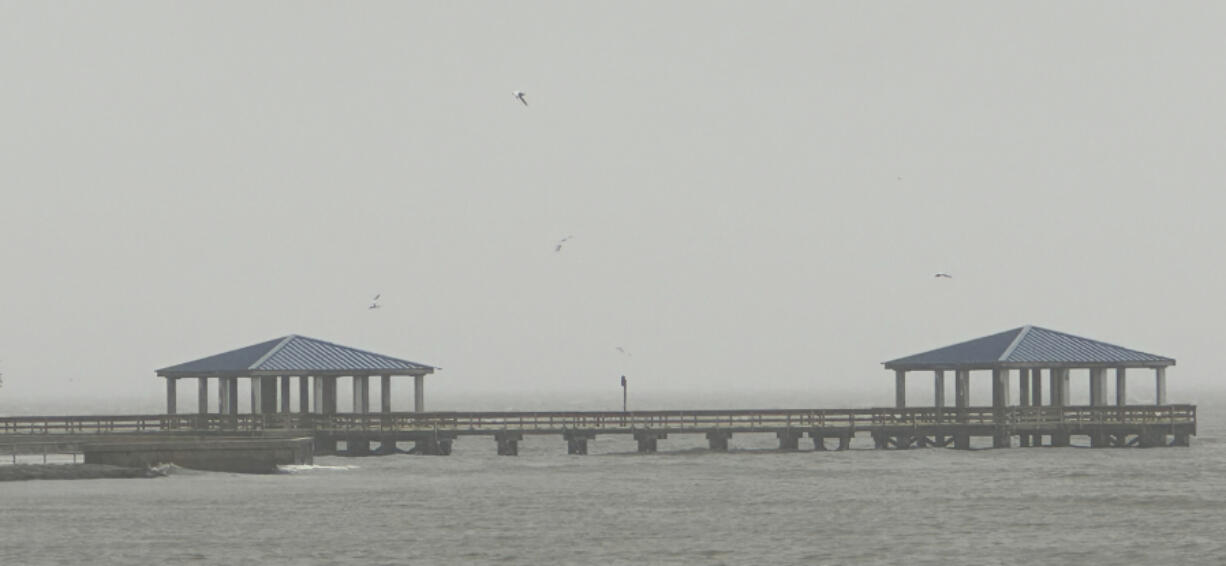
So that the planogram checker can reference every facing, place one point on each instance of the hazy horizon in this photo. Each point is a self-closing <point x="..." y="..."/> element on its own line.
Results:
<point x="759" y="194"/>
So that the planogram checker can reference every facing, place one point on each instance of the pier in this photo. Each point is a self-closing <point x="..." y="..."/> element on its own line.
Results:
<point x="1019" y="358"/>
<point x="828" y="429"/>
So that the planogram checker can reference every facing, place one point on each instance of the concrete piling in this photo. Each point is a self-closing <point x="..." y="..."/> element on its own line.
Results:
<point x="789" y="439"/>
<point x="717" y="441"/>
<point x="508" y="442"/>
<point x="648" y="440"/>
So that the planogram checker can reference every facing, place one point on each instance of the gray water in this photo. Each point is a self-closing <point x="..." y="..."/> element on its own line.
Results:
<point x="682" y="506"/>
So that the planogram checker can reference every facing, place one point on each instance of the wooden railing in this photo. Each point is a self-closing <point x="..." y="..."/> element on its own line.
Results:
<point x="611" y="421"/>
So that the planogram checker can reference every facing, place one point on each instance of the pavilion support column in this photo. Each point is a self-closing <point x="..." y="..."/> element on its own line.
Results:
<point x="1023" y="400"/>
<point x="330" y="395"/>
<point x="304" y="394"/>
<point x="1098" y="387"/>
<point x="361" y="394"/>
<point x="202" y="395"/>
<point x="1023" y="387"/>
<point x="1036" y="399"/>
<point x="1000" y="388"/>
<point x="962" y="396"/>
<point x="938" y="388"/>
<point x="419" y="393"/>
<point x="232" y="394"/>
<point x="285" y="394"/>
<point x="318" y="383"/>
<point x="268" y="395"/>
<point x="257" y="395"/>
<point x="172" y="396"/>
<point x="385" y="393"/>
<point x="1121" y="387"/>
<point x="223" y="394"/>
<point x="1000" y="404"/>
<point x="900" y="388"/>
<point x="1160" y="386"/>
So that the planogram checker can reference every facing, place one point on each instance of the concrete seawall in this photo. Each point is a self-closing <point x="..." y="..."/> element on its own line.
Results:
<point x="240" y="455"/>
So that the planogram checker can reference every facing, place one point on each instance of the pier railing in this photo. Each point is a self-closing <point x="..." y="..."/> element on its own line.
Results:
<point x="610" y="421"/>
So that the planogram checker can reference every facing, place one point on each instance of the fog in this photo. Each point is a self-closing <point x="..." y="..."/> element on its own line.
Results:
<point x="759" y="194"/>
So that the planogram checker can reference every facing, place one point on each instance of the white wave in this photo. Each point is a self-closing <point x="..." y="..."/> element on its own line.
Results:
<point x="295" y="468"/>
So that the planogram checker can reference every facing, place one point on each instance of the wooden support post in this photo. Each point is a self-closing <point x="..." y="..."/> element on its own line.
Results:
<point x="304" y="394"/>
<point x="962" y="392"/>
<point x="269" y="395"/>
<point x="1160" y="386"/>
<point x="232" y="385"/>
<point x="1036" y="399"/>
<point x="1023" y="387"/>
<point x="1000" y="388"/>
<point x="223" y="394"/>
<point x="257" y="395"/>
<point x="172" y="396"/>
<point x="419" y="395"/>
<point x="1121" y="387"/>
<point x="1098" y="387"/>
<point x="385" y="393"/>
<point x="285" y="394"/>
<point x="202" y="395"/>
<point x="938" y="388"/>
<point x="318" y="383"/>
<point x="330" y="395"/>
<point x="900" y="388"/>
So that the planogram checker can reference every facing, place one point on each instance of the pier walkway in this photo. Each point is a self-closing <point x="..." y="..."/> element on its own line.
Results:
<point x="434" y="432"/>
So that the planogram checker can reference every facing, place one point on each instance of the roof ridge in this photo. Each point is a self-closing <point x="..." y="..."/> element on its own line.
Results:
<point x="272" y="350"/>
<point x="367" y="352"/>
<point x="1013" y="345"/>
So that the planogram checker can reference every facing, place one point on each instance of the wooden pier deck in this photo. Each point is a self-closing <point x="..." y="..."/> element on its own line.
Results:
<point x="434" y="432"/>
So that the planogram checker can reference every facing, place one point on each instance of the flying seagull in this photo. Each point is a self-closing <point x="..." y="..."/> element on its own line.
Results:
<point x="558" y="247"/>
<point x="943" y="275"/>
<point x="623" y="350"/>
<point x="374" y="303"/>
<point x="520" y="95"/>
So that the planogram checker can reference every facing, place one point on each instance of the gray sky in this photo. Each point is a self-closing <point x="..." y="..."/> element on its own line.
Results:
<point x="759" y="194"/>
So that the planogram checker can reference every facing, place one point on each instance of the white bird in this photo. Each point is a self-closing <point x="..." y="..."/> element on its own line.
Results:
<point x="943" y="275"/>
<point x="520" y="95"/>
<point x="558" y="248"/>
<point x="374" y="303"/>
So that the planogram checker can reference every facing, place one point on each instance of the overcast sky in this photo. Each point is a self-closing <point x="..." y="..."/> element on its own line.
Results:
<point x="759" y="193"/>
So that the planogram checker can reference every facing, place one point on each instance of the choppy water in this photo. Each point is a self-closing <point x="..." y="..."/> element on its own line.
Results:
<point x="682" y="506"/>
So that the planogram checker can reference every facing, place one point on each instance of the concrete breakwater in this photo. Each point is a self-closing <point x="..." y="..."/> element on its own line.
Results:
<point x="239" y="455"/>
<point x="22" y="472"/>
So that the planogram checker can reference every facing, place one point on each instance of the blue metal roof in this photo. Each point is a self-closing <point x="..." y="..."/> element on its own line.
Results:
<point x="296" y="355"/>
<point x="1028" y="346"/>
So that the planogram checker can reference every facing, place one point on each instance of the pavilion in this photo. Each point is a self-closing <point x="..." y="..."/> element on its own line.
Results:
<point x="1030" y="350"/>
<point x="316" y="364"/>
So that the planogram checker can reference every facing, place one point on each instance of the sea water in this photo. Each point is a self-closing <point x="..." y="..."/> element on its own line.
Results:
<point x="684" y="505"/>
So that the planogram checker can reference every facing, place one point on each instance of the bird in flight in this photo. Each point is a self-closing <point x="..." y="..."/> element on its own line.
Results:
<point x="623" y="350"/>
<point x="374" y="303"/>
<point x="558" y="247"/>
<point x="943" y="275"/>
<point x="519" y="94"/>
